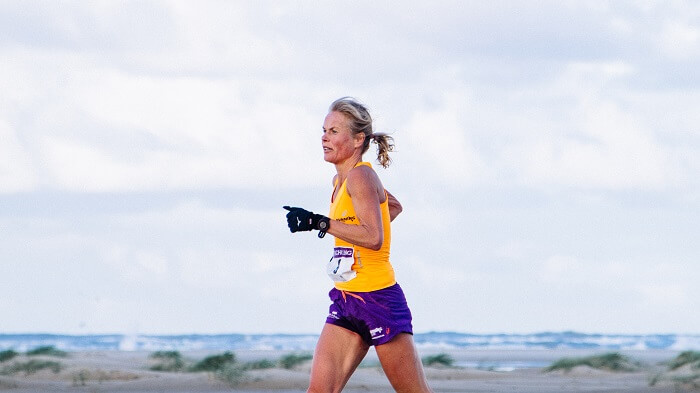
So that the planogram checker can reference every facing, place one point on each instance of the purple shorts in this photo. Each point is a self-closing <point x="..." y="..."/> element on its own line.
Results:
<point x="377" y="316"/>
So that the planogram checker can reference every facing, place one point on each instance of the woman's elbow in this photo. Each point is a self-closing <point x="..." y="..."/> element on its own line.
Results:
<point x="376" y="244"/>
<point x="394" y="210"/>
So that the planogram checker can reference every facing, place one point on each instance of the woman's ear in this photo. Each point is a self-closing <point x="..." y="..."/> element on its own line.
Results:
<point x="360" y="139"/>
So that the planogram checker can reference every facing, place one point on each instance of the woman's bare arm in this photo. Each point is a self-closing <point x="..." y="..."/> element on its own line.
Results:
<point x="394" y="206"/>
<point x="363" y="185"/>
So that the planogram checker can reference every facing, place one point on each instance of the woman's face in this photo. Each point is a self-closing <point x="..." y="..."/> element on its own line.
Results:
<point x="337" y="140"/>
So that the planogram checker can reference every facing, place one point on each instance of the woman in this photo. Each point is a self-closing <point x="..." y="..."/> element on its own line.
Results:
<point x="369" y="307"/>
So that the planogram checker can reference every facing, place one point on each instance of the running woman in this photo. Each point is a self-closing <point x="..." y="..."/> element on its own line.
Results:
<point x="368" y="305"/>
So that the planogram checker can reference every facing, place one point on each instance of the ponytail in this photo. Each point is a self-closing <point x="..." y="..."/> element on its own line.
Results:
<point x="385" y="144"/>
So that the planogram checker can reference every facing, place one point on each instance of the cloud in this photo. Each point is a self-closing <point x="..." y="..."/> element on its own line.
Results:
<point x="97" y="27"/>
<point x="680" y="40"/>
<point x="612" y="151"/>
<point x="144" y="145"/>
<point x="205" y="112"/>
<point x="107" y="130"/>
<point x="16" y="172"/>
<point x="439" y="142"/>
<point x="590" y="138"/>
<point x="150" y="265"/>
<point x="630" y="287"/>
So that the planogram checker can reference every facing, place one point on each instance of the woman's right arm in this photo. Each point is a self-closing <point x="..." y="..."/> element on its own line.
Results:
<point x="362" y="185"/>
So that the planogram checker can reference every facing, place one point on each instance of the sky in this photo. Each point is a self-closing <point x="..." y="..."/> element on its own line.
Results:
<point x="547" y="159"/>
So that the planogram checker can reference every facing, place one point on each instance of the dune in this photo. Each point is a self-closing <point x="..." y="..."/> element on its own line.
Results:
<point x="121" y="371"/>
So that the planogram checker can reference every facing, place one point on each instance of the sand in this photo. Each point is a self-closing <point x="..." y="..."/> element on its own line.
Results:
<point x="115" y="371"/>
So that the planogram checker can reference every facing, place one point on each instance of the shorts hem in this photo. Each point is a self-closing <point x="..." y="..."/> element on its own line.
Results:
<point x="387" y="339"/>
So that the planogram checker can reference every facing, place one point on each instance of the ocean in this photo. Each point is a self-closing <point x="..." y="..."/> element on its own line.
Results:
<point x="306" y="342"/>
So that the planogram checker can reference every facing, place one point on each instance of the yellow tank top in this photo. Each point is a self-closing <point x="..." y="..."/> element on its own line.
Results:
<point x="374" y="271"/>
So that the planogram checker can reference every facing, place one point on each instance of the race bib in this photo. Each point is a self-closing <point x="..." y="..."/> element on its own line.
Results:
<point x="339" y="268"/>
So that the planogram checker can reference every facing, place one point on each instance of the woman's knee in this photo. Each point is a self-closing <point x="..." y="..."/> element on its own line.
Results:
<point x="402" y="365"/>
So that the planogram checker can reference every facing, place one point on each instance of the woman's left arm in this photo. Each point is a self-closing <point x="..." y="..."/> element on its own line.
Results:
<point x="364" y="187"/>
<point x="395" y="207"/>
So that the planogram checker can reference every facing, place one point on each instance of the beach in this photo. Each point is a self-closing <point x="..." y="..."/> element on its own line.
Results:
<point x="474" y="370"/>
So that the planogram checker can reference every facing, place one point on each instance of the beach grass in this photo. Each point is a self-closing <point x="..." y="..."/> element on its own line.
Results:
<point x="214" y="362"/>
<point x="259" y="364"/>
<point x="292" y="360"/>
<point x="47" y="350"/>
<point x="7" y="355"/>
<point x="441" y="359"/>
<point x="683" y="371"/>
<point x="691" y="358"/>
<point x="167" y="361"/>
<point x="31" y="366"/>
<point x="612" y="361"/>
<point x="688" y="381"/>
<point x="231" y="373"/>
<point x="80" y="378"/>
<point x="224" y="366"/>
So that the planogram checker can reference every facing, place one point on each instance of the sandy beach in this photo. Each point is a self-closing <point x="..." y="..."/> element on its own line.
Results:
<point x="123" y="371"/>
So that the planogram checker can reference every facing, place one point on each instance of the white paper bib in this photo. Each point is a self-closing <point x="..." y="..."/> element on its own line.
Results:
<point x="339" y="268"/>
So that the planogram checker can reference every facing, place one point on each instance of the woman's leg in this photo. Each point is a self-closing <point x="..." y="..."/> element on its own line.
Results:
<point x="401" y="364"/>
<point x="338" y="353"/>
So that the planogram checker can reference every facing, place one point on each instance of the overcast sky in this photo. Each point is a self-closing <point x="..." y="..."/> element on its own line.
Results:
<point x="548" y="160"/>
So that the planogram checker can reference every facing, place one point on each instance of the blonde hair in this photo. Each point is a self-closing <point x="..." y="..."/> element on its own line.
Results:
<point x="360" y="121"/>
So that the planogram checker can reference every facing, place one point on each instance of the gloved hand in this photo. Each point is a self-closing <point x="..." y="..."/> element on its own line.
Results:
<point x="299" y="219"/>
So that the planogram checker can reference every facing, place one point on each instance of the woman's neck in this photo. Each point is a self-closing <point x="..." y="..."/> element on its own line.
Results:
<point x="345" y="167"/>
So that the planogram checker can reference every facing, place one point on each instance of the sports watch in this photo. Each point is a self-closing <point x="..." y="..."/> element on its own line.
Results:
<point x="323" y="224"/>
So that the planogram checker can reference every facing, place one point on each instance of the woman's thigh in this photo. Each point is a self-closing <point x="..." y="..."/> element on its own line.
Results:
<point x="402" y="365"/>
<point x="338" y="353"/>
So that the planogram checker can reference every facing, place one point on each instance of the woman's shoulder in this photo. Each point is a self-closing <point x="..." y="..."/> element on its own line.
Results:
<point x="363" y="176"/>
<point x="362" y="172"/>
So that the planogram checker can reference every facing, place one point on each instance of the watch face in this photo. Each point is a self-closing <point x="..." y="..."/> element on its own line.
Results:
<point x="322" y="225"/>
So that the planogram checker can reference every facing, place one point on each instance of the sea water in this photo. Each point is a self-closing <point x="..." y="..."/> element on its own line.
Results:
<point x="433" y="341"/>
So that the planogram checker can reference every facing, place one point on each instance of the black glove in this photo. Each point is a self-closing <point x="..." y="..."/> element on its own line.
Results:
<point x="299" y="219"/>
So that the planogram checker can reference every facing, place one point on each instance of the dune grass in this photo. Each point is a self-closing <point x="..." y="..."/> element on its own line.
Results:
<point x="173" y="361"/>
<point x="231" y="373"/>
<point x="292" y="360"/>
<point x="612" y="361"/>
<point x="31" y="366"/>
<point x="47" y="350"/>
<point x="441" y="359"/>
<point x="7" y="355"/>
<point x="259" y="365"/>
<point x="224" y="366"/>
<point x="691" y="358"/>
<point x="689" y="379"/>
<point x="167" y="361"/>
<point x="688" y="357"/>
<point x="214" y="362"/>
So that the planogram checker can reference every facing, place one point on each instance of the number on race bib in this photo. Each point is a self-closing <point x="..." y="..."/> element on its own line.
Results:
<point x="339" y="268"/>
